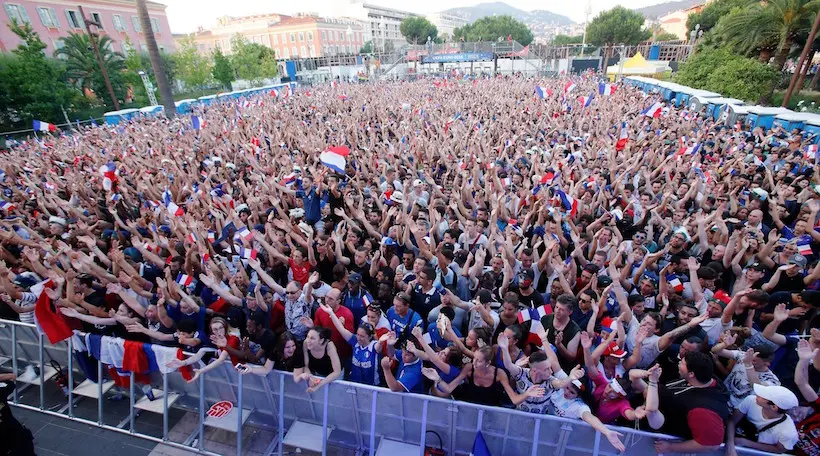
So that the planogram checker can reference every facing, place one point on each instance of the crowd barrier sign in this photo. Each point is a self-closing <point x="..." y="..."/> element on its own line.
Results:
<point x="361" y="418"/>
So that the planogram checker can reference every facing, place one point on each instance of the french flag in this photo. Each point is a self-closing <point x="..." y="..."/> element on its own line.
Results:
<point x="654" y="110"/>
<point x="674" y="282"/>
<point x="811" y="152"/>
<point x="211" y="237"/>
<point x="191" y="237"/>
<point x="109" y="173"/>
<point x="569" y="87"/>
<point x="804" y="249"/>
<point x="543" y="92"/>
<point x="290" y="179"/>
<point x="334" y="158"/>
<point x="532" y="315"/>
<point x="549" y="177"/>
<point x="245" y="233"/>
<point x="185" y="280"/>
<point x="247" y="254"/>
<point x="174" y="210"/>
<point x="6" y="206"/>
<point x="623" y="137"/>
<point x="198" y="122"/>
<point x="585" y="101"/>
<point x="606" y="89"/>
<point x="569" y="203"/>
<point x="691" y="150"/>
<point x="39" y="125"/>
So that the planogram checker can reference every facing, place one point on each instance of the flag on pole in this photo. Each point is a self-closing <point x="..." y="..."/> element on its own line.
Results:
<point x="109" y="173"/>
<point x="543" y="92"/>
<point x="334" y="158"/>
<point x="39" y="125"/>
<point x="653" y="111"/>
<point x="623" y="137"/>
<point x="198" y="122"/>
<point x="606" y="89"/>
<point x="184" y="279"/>
<point x="569" y="87"/>
<point x="585" y="101"/>
<point x="569" y="203"/>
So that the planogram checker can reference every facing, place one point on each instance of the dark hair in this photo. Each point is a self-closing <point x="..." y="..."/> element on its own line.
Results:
<point x="591" y="293"/>
<point x="538" y="356"/>
<point x="187" y="326"/>
<point x="339" y="271"/>
<point x="700" y="364"/>
<point x="429" y="272"/>
<point x="279" y="351"/>
<point x="511" y="297"/>
<point x="810" y="297"/>
<point x="631" y="300"/>
<point x="322" y="332"/>
<point x="367" y="327"/>
<point x="516" y="330"/>
<point x="483" y="334"/>
<point x="657" y="317"/>
<point x="567" y="300"/>
<point x="758" y="296"/>
<point x="448" y="312"/>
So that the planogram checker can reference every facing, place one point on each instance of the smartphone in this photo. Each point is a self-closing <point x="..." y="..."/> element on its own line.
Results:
<point x="242" y="368"/>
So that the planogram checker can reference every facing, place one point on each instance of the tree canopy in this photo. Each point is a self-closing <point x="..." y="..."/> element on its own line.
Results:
<point x="617" y="26"/>
<point x="416" y="30"/>
<point x="720" y="70"/>
<point x="563" y="40"/>
<point x="252" y="61"/>
<point x="193" y="68"/>
<point x="84" y="70"/>
<point x="222" y="69"/>
<point x="492" y="28"/>
<point x="712" y="12"/>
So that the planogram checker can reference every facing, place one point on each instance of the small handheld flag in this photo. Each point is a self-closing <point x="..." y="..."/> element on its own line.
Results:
<point x="185" y="280"/>
<point x="43" y="126"/>
<point x="674" y="282"/>
<point x="804" y="249"/>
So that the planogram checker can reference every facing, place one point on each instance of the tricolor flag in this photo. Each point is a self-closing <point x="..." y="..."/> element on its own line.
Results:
<point x="654" y="110"/>
<point x="191" y="237"/>
<point x="674" y="282"/>
<point x="244" y="233"/>
<point x="246" y="253"/>
<point x="366" y="301"/>
<point x="804" y="249"/>
<point x="812" y="152"/>
<point x="211" y="237"/>
<point x="174" y="210"/>
<point x="109" y="173"/>
<point x="691" y="150"/>
<point x="44" y="126"/>
<point x="198" y="122"/>
<point x="623" y="137"/>
<point x="585" y="101"/>
<point x="184" y="279"/>
<point x="543" y="92"/>
<point x="569" y="87"/>
<point x="6" y="206"/>
<point x="532" y="315"/>
<point x="549" y="177"/>
<point x="47" y="317"/>
<point x="334" y="158"/>
<point x="569" y="203"/>
<point x="606" y="89"/>
<point x="289" y="179"/>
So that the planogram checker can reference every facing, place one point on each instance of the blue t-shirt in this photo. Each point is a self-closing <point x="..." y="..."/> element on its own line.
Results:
<point x="436" y="340"/>
<point x="448" y="377"/>
<point x="356" y="303"/>
<point x="409" y="375"/>
<point x="364" y="367"/>
<point x="175" y="313"/>
<point x="398" y="323"/>
<point x="313" y="208"/>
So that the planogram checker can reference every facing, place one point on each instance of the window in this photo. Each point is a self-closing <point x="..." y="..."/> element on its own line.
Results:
<point x="285" y="53"/>
<point x="292" y="37"/>
<point x="98" y="19"/>
<point x="137" y="26"/>
<point x="266" y="40"/>
<point x="310" y="36"/>
<point x="73" y="19"/>
<point x="275" y="39"/>
<point x="17" y="13"/>
<point x="119" y="23"/>
<point x="303" y="51"/>
<point x="301" y="36"/>
<point x="324" y="35"/>
<point x="293" y="51"/>
<point x="126" y="48"/>
<point x="155" y="25"/>
<point x="48" y="17"/>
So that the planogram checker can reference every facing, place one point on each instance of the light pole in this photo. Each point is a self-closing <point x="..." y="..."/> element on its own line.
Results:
<point x="621" y="63"/>
<point x="381" y="34"/>
<point x="587" y="12"/>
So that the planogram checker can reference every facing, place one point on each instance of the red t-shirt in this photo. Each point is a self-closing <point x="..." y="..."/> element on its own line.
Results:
<point x="323" y="319"/>
<point x="299" y="273"/>
<point x="706" y="426"/>
<point x="233" y="342"/>
<point x="808" y="433"/>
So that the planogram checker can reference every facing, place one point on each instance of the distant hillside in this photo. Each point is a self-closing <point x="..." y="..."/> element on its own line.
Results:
<point x="662" y="9"/>
<point x="534" y="19"/>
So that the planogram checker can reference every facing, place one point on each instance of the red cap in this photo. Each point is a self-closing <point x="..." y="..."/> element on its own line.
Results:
<point x="614" y="350"/>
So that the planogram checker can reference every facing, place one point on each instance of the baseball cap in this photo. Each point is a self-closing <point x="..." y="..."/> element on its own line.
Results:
<point x="799" y="260"/>
<point x="417" y="183"/>
<point x="614" y="350"/>
<point x="297" y="212"/>
<point x="355" y="277"/>
<point x="757" y="266"/>
<point x="604" y="281"/>
<point x="781" y="396"/>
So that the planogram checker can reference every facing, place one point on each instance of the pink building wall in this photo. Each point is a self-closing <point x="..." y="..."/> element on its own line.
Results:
<point x="105" y="10"/>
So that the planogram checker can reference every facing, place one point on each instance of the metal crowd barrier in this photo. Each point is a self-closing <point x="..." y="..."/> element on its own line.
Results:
<point x="361" y="418"/>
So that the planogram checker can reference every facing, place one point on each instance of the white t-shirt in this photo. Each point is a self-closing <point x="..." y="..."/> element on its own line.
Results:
<point x="713" y="327"/>
<point x="649" y="347"/>
<point x="737" y="382"/>
<point x="784" y="433"/>
<point x="568" y="408"/>
<point x="477" y="322"/>
<point x="538" y="405"/>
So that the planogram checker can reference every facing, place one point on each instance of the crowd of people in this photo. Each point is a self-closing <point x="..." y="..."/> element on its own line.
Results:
<point x="617" y="260"/>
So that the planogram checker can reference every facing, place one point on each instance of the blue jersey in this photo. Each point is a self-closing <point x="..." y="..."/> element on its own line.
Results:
<point x="364" y="367"/>
<point x="398" y="323"/>
<point x="409" y="375"/>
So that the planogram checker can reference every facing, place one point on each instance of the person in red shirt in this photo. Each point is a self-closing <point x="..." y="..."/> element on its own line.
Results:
<point x="333" y="299"/>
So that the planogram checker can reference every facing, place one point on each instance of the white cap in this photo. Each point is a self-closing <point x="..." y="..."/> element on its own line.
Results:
<point x="242" y="207"/>
<point x="781" y="396"/>
<point x="57" y="220"/>
<point x="397" y="197"/>
<point x="296" y="213"/>
<point x="417" y="183"/>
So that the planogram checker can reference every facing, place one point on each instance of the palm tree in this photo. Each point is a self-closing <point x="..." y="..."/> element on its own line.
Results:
<point x="771" y="28"/>
<point x="166" y="97"/>
<point x="82" y="67"/>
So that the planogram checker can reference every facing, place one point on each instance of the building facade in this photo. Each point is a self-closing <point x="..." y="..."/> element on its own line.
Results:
<point x="302" y="36"/>
<point x="446" y="23"/>
<point x="675" y="22"/>
<point x="55" y="19"/>
<point x="381" y="24"/>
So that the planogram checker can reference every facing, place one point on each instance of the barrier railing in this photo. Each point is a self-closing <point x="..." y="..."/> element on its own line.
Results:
<point x="365" y="419"/>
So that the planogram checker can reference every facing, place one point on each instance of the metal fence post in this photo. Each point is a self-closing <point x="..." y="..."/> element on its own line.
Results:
<point x="131" y="402"/>
<point x="535" y="432"/>
<point x="423" y="428"/>
<point x="281" y="412"/>
<point x="14" y="355"/>
<point x="100" y="381"/>
<point x="239" y="415"/>
<point x="373" y="423"/>
<point x="164" y="406"/>
<point x="201" y="439"/>
<point x="71" y="376"/>
<point x="324" y="422"/>
<point x="597" y="444"/>
<point x="42" y="372"/>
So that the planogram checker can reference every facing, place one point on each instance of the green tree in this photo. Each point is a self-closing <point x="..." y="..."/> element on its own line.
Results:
<point x="666" y="36"/>
<point x="721" y="70"/>
<point x="194" y="69"/>
<point x="617" y="26"/>
<point x="709" y="16"/>
<point x="563" y="40"/>
<point x="367" y="48"/>
<point x="32" y="86"/>
<point x="222" y="70"/>
<point x="416" y="30"/>
<point x="491" y="28"/>
<point x="252" y="61"/>
<point x="84" y="71"/>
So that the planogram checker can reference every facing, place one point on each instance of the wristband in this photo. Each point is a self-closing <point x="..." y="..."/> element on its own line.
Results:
<point x="750" y="367"/>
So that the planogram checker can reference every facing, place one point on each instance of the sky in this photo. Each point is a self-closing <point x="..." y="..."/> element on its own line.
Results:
<point x="186" y="16"/>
